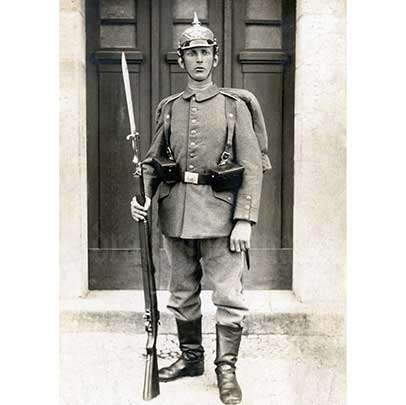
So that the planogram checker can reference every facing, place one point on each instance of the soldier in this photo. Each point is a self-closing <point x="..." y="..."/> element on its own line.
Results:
<point x="199" y="223"/>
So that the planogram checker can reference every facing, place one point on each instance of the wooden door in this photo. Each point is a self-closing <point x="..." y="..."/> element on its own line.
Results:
<point x="256" y="40"/>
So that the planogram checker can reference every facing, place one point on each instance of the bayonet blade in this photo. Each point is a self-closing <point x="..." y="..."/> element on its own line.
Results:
<point x="126" y="78"/>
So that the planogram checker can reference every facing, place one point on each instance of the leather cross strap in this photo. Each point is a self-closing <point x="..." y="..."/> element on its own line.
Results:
<point x="167" y="129"/>
<point x="230" y="108"/>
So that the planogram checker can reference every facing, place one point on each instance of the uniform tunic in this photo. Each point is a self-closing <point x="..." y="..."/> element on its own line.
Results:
<point x="198" y="135"/>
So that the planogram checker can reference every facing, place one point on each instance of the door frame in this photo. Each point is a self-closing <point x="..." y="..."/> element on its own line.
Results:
<point x="309" y="260"/>
<point x="159" y="13"/>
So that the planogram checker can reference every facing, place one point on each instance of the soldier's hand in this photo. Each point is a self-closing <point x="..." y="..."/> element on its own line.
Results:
<point x="240" y="236"/>
<point x="139" y="212"/>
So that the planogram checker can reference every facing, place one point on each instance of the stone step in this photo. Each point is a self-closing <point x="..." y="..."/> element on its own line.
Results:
<point x="271" y="312"/>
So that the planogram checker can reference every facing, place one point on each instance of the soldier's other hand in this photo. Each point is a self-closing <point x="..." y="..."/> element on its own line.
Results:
<point x="139" y="212"/>
<point x="240" y="236"/>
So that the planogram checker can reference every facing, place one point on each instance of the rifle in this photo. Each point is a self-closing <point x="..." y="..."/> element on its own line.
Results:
<point x="151" y="316"/>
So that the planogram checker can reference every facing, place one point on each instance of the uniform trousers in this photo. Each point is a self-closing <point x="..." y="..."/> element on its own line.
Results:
<point x="188" y="259"/>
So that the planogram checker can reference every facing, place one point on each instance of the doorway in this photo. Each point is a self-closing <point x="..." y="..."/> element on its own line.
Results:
<point x="256" y="42"/>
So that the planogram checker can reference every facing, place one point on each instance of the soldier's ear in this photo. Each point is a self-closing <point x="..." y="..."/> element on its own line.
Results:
<point x="181" y="63"/>
<point x="215" y="60"/>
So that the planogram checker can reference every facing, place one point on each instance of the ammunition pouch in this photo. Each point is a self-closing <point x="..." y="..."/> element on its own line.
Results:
<point x="227" y="177"/>
<point x="167" y="169"/>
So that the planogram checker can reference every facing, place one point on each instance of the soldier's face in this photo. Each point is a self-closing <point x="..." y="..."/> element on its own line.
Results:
<point x="199" y="62"/>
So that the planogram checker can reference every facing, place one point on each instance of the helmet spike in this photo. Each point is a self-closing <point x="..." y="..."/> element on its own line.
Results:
<point x="196" y="36"/>
<point x="195" y="19"/>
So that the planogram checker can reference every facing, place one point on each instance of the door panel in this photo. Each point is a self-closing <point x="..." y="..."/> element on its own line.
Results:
<point x="113" y="239"/>
<point x="256" y="40"/>
<point x="263" y="83"/>
<point x="259" y="31"/>
<point x="115" y="230"/>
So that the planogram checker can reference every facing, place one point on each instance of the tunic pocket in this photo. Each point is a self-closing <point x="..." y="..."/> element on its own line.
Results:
<point x="227" y="196"/>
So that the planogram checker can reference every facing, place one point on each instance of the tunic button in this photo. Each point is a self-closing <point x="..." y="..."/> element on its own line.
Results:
<point x="192" y="144"/>
<point x="193" y="121"/>
<point x="247" y="207"/>
<point x="194" y="109"/>
<point x="168" y="116"/>
<point x="248" y="197"/>
<point x="192" y="155"/>
<point x="230" y="115"/>
<point x="191" y="166"/>
<point x="193" y="131"/>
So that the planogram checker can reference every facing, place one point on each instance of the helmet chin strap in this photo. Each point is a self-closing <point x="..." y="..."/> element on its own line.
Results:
<point x="212" y="68"/>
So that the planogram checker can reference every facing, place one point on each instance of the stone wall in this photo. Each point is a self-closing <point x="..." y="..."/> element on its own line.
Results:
<point x="73" y="194"/>
<point x="320" y="152"/>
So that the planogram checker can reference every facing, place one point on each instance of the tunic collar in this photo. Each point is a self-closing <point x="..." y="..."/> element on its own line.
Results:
<point x="201" y="95"/>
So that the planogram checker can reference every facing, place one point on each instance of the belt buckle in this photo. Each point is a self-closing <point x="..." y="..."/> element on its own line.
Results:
<point x="191" y="177"/>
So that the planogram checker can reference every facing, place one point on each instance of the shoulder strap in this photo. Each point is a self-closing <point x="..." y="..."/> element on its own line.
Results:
<point x="228" y="93"/>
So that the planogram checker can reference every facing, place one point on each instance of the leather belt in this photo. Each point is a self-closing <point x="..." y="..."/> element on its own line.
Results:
<point x="196" y="178"/>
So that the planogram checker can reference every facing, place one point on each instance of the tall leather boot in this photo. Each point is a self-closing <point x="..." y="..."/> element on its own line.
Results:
<point x="191" y="361"/>
<point x="228" y="344"/>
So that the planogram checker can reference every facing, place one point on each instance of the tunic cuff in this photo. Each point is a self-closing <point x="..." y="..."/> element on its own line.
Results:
<point x="244" y="209"/>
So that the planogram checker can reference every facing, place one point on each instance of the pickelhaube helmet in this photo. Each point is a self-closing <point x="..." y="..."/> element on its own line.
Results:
<point x="196" y="36"/>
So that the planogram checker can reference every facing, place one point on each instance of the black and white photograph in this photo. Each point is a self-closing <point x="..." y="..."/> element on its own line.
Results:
<point x="203" y="202"/>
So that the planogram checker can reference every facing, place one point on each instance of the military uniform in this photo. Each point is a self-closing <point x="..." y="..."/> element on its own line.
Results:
<point x="189" y="211"/>
<point x="197" y="221"/>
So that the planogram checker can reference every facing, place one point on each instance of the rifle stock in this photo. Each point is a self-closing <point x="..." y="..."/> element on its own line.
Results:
<point x="151" y="382"/>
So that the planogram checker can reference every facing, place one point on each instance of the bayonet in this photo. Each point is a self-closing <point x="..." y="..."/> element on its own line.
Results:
<point x="134" y="135"/>
<point x="127" y="88"/>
